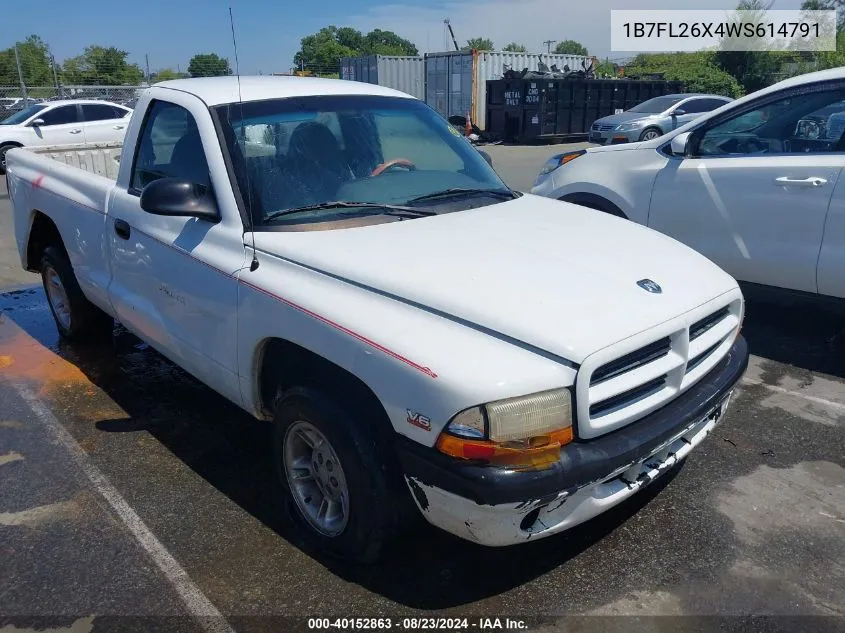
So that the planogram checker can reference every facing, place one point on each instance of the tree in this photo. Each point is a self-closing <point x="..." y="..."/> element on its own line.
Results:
<point x="35" y="64"/>
<point x="378" y="42"/>
<point x="208" y="65"/>
<point x="827" y="5"/>
<point x="571" y="47"/>
<point x="320" y="52"/>
<point x="478" y="43"/>
<point x="822" y="60"/>
<point x="350" y="38"/>
<point x="166" y="74"/>
<point x="513" y="47"/>
<point x="101" y="66"/>
<point x="607" y="68"/>
<point x="697" y="71"/>
<point x="752" y="69"/>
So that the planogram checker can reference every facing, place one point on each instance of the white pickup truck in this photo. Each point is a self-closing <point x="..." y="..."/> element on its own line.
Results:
<point x="334" y="257"/>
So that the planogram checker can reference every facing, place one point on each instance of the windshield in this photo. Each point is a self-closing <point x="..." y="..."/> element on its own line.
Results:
<point x="656" y="105"/>
<point x="23" y="115"/>
<point x="300" y="152"/>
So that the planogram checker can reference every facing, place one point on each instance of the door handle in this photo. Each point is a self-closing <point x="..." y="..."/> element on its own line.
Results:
<point x="812" y="181"/>
<point x="76" y="131"/>
<point x="119" y="127"/>
<point x="121" y="228"/>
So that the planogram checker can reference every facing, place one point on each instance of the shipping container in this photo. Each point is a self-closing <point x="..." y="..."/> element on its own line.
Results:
<point x="406" y="74"/>
<point x="456" y="82"/>
<point x="529" y="110"/>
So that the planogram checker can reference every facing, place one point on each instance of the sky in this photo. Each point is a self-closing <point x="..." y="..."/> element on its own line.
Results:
<point x="269" y="31"/>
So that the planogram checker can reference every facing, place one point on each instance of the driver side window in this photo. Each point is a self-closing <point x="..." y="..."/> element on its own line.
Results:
<point x="796" y="124"/>
<point x="169" y="147"/>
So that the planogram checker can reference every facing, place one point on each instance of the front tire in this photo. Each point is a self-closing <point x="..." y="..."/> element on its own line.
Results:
<point x="77" y="319"/>
<point x="650" y="133"/>
<point x="336" y="486"/>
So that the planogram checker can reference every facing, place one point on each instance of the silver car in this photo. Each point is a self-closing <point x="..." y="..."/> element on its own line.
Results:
<point x="653" y="118"/>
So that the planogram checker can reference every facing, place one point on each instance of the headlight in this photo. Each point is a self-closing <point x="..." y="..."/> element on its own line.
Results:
<point x="523" y="432"/>
<point x="556" y="161"/>
<point x="627" y="127"/>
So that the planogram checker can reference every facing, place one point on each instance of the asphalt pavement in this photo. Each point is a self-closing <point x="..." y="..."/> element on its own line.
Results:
<point x="134" y="498"/>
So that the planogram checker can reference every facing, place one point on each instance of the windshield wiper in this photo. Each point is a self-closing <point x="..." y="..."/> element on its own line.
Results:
<point x="505" y="194"/>
<point x="387" y="209"/>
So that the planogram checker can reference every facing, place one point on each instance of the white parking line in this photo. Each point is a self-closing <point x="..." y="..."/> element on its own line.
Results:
<point x="199" y="606"/>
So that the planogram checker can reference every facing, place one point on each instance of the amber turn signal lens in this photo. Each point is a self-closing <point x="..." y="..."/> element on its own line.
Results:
<point x="534" y="453"/>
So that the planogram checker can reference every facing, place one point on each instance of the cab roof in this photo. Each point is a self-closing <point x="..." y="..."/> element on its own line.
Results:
<point x="219" y="90"/>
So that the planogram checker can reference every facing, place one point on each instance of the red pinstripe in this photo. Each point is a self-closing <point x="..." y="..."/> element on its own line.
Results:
<point x="426" y="370"/>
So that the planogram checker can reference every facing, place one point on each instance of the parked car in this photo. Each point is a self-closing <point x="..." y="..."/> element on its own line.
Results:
<point x="755" y="186"/>
<point x="653" y="118"/>
<point x="11" y="105"/>
<point x="421" y="336"/>
<point x="76" y="122"/>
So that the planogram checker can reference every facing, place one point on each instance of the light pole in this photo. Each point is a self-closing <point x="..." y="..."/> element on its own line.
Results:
<point x="20" y="74"/>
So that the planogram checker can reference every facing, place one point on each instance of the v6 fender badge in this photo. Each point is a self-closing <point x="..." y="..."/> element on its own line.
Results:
<point x="418" y="419"/>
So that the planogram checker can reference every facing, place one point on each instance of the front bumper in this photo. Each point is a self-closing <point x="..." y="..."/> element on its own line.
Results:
<point x="495" y="506"/>
<point x="613" y="137"/>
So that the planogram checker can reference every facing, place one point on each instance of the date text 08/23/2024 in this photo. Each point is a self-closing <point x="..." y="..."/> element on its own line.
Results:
<point x="418" y="623"/>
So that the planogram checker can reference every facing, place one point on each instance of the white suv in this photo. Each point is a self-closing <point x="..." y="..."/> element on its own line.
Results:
<point x="754" y="185"/>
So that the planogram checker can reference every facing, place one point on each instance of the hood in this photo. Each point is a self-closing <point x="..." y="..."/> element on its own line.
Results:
<point x="623" y="147"/>
<point x="625" y="117"/>
<point x="553" y="275"/>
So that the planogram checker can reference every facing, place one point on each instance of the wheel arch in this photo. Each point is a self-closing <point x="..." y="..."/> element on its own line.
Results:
<point x="594" y="201"/>
<point x="43" y="232"/>
<point x="280" y="364"/>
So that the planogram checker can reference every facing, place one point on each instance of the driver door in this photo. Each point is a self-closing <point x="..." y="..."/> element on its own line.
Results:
<point x="753" y="196"/>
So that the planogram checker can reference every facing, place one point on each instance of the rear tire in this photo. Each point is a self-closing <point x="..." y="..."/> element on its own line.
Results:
<point x="77" y="319"/>
<point x="325" y="452"/>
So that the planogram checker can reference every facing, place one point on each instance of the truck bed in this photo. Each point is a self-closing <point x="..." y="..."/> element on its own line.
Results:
<point x="102" y="159"/>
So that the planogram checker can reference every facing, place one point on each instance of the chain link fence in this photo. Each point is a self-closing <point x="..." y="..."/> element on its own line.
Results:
<point x="12" y="98"/>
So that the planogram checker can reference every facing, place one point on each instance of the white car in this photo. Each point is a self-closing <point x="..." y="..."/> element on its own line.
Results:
<point x="755" y="186"/>
<point x="420" y="335"/>
<point x="72" y="122"/>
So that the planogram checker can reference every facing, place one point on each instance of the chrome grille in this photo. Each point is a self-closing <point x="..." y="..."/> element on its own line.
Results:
<point x="613" y="390"/>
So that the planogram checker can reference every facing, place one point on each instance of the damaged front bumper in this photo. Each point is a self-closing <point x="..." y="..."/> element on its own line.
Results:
<point x="496" y="507"/>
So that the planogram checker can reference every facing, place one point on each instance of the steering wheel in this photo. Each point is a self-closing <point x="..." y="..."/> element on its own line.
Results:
<point x="390" y="164"/>
<point x="753" y="145"/>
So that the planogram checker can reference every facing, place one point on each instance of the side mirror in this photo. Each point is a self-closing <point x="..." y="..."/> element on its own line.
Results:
<point x="679" y="112"/>
<point x="486" y="157"/>
<point x="679" y="144"/>
<point x="37" y="122"/>
<point x="175" y="197"/>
